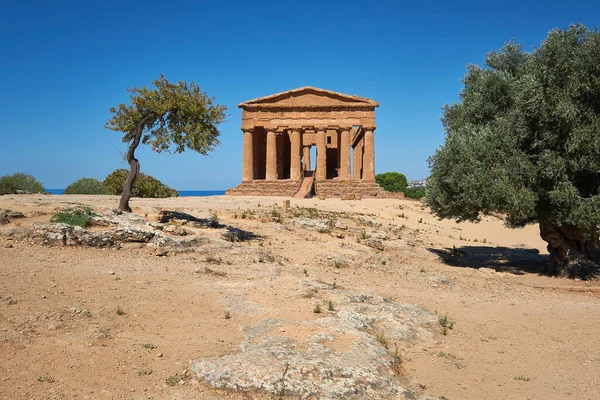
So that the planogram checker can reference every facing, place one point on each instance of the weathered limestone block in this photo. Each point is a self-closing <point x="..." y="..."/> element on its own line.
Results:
<point x="84" y="237"/>
<point x="162" y="240"/>
<point x="176" y="230"/>
<point x="321" y="225"/>
<point x="374" y="243"/>
<point x="130" y="233"/>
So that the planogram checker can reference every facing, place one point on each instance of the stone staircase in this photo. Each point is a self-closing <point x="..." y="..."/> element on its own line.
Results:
<point x="282" y="187"/>
<point x="306" y="188"/>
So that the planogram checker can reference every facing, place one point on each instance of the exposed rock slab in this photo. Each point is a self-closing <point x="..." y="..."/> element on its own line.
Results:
<point x="341" y="355"/>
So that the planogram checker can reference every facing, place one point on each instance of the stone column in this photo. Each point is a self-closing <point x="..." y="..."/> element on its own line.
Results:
<point x="321" y="153"/>
<point x="279" y="138"/>
<point x="295" y="167"/>
<point x="345" y="154"/>
<point x="271" y="174"/>
<point x="248" y="157"/>
<point x="358" y="160"/>
<point x="369" y="156"/>
<point x="306" y="156"/>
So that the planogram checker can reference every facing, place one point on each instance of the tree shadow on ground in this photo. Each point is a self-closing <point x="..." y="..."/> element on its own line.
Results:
<point x="501" y="259"/>
<point x="232" y="234"/>
<point x="166" y="216"/>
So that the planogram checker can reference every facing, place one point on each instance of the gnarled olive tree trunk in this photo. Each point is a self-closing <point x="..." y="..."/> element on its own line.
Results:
<point x="571" y="252"/>
<point x="134" y="165"/>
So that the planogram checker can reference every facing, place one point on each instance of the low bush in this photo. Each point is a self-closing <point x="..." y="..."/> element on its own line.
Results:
<point x="10" y="184"/>
<point x="86" y="186"/>
<point x="417" y="194"/>
<point x="145" y="185"/>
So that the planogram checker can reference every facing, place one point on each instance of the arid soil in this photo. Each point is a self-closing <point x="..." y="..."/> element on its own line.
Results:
<point x="128" y="321"/>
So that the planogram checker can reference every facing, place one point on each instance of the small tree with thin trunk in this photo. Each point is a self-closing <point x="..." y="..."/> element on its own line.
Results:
<point x="525" y="141"/>
<point x="169" y="117"/>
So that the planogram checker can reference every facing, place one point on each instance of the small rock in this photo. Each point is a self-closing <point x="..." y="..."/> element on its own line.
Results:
<point x="111" y="272"/>
<point x="3" y="216"/>
<point x="14" y="214"/>
<point x="159" y="355"/>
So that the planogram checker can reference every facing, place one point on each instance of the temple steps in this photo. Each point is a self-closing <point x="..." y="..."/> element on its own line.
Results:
<point x="283" y="187"/>
<point x="287" y="188"/>
<point x="306" y="188"/>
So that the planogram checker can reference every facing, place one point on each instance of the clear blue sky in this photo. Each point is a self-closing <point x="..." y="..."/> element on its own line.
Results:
<point x="63" y="64"/>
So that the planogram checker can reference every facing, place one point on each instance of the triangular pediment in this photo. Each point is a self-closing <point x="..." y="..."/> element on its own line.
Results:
<point x="308" y="96"/>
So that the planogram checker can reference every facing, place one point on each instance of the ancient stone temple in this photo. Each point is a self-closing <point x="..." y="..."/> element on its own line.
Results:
<point x="282" y="130"/>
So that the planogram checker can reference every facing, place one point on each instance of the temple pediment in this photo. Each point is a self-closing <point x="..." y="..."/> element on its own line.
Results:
<point x="308" y="97"/>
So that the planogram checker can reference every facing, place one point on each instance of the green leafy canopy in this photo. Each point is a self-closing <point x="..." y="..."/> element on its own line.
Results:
<point x="86" y="186"/>
<point x="525" y="138"/>
<point x="175" y="116"/>
<point x="11" y="184"/>
<point x="146" y="186"/>
<point x="391" y="181"/>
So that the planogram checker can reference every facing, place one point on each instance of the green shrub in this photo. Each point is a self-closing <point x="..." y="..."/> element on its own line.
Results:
<point x="79" y="216"/>
<point x="417" y="194"/>
<point x="86" y="186"/>
<point x="10" y="184"/>
<point x="145" y="185"/>
<point x="391" y="181"/>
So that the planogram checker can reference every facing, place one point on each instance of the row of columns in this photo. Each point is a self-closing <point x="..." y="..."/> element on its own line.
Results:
<point x="364" y="155"/>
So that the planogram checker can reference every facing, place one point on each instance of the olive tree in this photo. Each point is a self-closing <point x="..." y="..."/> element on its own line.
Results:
<point x="169" y="117"/>
<point x="525" y="141"/>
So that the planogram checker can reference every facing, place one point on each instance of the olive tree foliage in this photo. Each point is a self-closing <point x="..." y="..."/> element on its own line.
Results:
<point x="169" y="117"/>
<point x="525" y="141"/>
<point x="391" y="181"/>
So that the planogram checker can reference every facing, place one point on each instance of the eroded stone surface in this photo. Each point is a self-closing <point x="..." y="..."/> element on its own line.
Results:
<point x="321" y="225"/>
<point x="122" y="228"/>
<point x="346" y="354"/>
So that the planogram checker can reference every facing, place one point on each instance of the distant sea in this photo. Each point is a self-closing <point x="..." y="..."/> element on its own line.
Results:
<point x="182" y="193"/>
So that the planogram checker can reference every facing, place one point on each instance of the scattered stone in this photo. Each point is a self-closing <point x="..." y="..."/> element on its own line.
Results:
<point x="3" y="216"/>
<point x="279" y="227"/>
<point x="14" y="214"/>
<point x="379" y="236"/>
<point x="176" y="230"/>
<point x="111" y="272"/>
<point x="9" y="300"/>
<point x="80" y="313"/>
<point x="162" y="240"/>
<point x="340" y="225"/>
<point x="131" y="233"/>
<point x="374" y="243"/>
<point x="321" y="225"/>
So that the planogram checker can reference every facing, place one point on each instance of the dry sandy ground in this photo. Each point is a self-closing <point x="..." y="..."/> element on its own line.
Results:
<point x="517" y="335"/>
